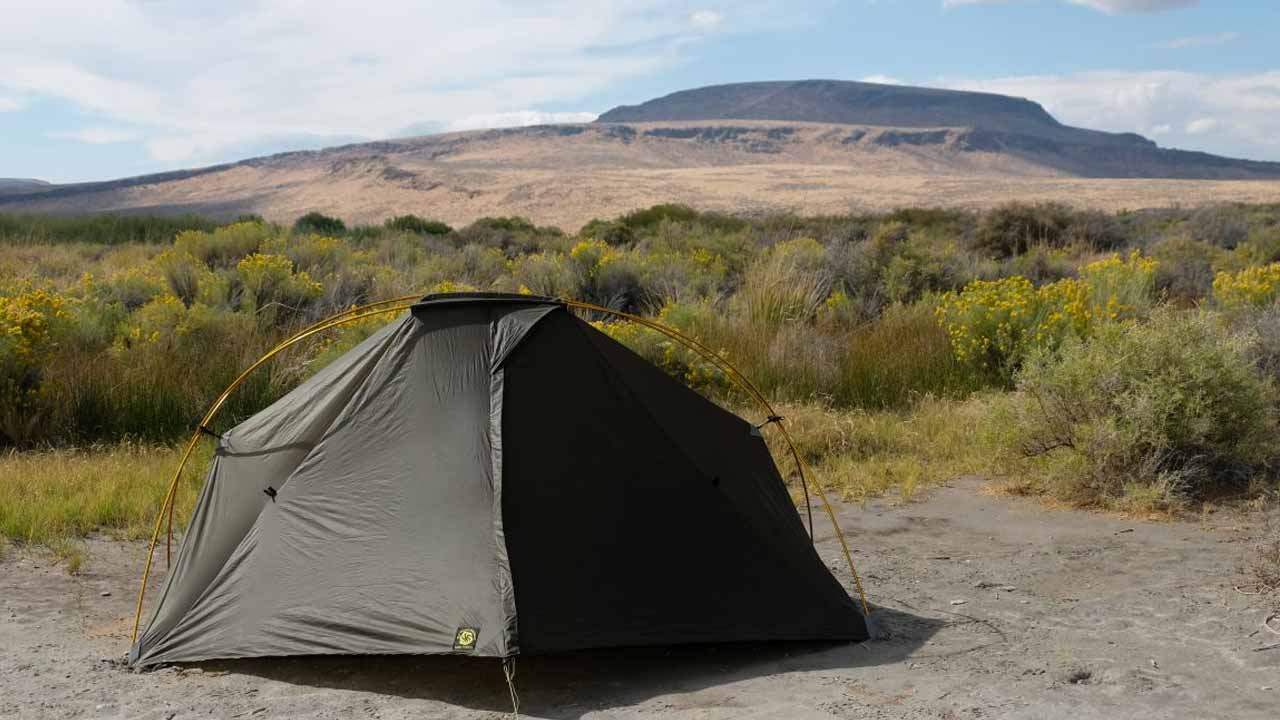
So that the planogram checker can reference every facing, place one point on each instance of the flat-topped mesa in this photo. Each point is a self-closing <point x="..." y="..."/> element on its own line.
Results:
<point x="862" y="103"/>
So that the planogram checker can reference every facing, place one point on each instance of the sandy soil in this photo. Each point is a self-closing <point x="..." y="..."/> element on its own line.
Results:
<point x="994" y="608"/>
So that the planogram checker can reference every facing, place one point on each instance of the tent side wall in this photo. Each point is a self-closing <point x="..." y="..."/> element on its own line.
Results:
<point x="639" y="513"/>
<point x="384" y="535"/>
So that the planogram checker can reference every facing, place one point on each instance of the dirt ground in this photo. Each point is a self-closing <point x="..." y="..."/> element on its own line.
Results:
<point x="994" y="608"/>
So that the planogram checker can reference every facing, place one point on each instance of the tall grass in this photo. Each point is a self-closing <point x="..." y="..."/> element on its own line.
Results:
<point x="48" y="496"/>
<point x="100" y="229"/>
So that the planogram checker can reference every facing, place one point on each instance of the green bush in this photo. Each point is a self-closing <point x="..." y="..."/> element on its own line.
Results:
<point x="1017" y="227"/>
<point x="1185" y="270"/>
<point x="418" y="225"/>
<point x="225" y="246"/>
<point x="1221" y="225"/>
<point x="1148" y="415"/>
<point x="319" y="224"/>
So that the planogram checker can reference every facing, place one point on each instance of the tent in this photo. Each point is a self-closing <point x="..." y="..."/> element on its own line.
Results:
<point x="490" y="475"/>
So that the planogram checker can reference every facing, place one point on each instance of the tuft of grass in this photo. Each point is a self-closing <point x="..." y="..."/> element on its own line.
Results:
<point x="71" y="552"/>
<point x="49" y="497"/>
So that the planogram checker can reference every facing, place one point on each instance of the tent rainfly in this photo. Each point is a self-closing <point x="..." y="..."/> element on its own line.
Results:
<point x="490" y="475"/>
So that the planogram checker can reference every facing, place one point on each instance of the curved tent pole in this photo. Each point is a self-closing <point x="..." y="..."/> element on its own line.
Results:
<point x="743" y="383"/>
<point x="406" y="302"/>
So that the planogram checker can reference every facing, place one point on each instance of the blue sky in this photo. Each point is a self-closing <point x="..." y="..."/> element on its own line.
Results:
<point x="113" y="88"/>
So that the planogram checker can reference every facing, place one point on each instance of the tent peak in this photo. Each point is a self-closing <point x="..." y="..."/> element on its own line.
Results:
<point x="436" y="299"/>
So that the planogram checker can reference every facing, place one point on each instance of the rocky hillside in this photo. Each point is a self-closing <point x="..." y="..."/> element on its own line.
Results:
<point x="811" y="146"/>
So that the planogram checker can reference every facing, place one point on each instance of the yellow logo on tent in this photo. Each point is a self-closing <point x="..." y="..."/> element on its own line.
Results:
<point x="465" y="639"/>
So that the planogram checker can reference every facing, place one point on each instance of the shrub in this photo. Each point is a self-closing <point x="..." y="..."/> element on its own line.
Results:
<point x="1251" y="287"/>
<point x="31" y="325"/>
<point x="418" y="225"/>
<point x="319" y="224"/>
<point x="1120" y="288"/>
<point x="1153" y="413"/>
<point x="1185" y="270"/>
<point x="1095" y="230"/>
<point x="225" y="246"/>
<point x="609" y="277"/>
<point x="994" y="325"/>
<point x="1014" y="228"/>
<point x="611" y="233"/>
<point x="1221" y="225"/>
<point x="131" y="288"/>
<point x="651" y="217"/>
<point x="269" y="280"/>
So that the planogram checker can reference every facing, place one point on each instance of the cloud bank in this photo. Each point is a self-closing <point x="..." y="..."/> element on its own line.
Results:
<point x="1110" y="7"/>
<point x="197" y="81"/>
<point x="1228" y="114"/>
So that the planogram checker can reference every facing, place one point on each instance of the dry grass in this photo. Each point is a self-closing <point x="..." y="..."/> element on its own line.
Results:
<point x="53" y="497"/>
<point x="864" y="454"/>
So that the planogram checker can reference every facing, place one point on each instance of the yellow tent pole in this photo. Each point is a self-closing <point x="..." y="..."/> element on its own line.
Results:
<point x="166" y="507"/>
<point x="404" y="303"/>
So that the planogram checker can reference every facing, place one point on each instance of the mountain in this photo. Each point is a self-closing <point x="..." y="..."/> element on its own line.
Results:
<point x="19" y="185"/>
<point x="983" y="121"/>
<point x="841" y="102"/>
<point x="814" y="146"/>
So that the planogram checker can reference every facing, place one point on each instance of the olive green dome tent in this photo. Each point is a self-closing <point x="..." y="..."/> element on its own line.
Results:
<point x="490" y="475"/>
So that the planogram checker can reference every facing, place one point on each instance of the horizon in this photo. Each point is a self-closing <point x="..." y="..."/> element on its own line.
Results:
<point x="128" y="88"/>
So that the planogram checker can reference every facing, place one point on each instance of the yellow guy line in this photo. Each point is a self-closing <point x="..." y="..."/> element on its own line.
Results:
<point x="404" y="303"/>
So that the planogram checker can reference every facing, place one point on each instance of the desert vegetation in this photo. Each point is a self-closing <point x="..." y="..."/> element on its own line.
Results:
<point x="1123" y="361"/>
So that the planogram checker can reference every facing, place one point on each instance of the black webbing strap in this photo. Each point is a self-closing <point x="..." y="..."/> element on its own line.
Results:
<point x="207" y="431"/>
<point x="772" y="419"/>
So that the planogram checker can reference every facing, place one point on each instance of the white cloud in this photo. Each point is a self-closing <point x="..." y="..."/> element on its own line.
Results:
<point x="519" y="119"/>
<point x="1115" y="7"/>
<point x="1200" y="126"/>
<point x="705" y="19"/>
<point x="1111" y="7"/>
<point x="883" y="80"/>
<point x="1195" y="41"/>
<point x="98" y="135"/>
<point x="1229" y="114"/>
<point x="11" y="104"/>
<point x="205" y="79"/>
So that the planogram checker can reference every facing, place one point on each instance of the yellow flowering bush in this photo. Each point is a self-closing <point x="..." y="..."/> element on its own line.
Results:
<point x="271" y="279"/>
<point x="31" y="322"/>
<point x="1251" y="287"/>
<point x="131" y="288"/>
<point x="1121" y="287"/>
<point x="225" y="246"/>
<point x="995" y="324"/>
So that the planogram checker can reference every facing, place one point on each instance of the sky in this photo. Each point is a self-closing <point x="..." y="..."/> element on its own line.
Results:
<point x="113" y="88"/>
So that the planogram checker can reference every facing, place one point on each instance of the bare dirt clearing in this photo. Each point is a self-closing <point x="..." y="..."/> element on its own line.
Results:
<point x="995" y="607"/>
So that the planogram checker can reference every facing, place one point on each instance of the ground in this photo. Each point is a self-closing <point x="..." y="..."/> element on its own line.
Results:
<point x="991" y="607"/>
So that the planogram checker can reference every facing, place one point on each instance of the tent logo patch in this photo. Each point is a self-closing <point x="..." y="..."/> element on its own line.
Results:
<point x="465" y="640"/>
